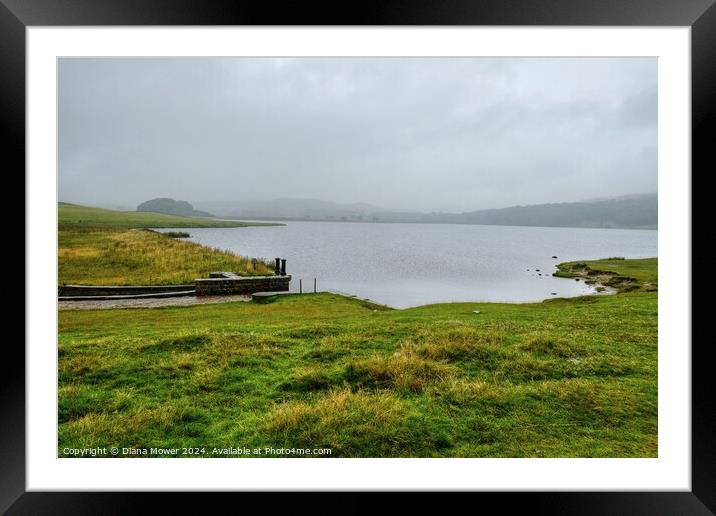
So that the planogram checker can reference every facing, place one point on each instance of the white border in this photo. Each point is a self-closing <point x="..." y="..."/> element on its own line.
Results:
<point x="670" y="471"/>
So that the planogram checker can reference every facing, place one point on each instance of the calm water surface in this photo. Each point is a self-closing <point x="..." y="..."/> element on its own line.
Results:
<point x="403" y="265"/>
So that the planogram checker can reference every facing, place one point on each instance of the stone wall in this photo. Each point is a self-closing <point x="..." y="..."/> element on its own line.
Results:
<point x="111" y="290"/>
<point x="220" y="283"/>
<point x="241" y="285"/>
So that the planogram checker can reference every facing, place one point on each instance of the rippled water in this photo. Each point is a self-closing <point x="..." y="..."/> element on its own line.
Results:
<point x="404" y="265"/>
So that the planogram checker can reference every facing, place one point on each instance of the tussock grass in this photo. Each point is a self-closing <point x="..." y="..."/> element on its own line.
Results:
<point x="135" y="257"/>
<point x="105" y="428"/>
<point x="351" y="424"/>
<point x="307" y="379"/>
<point x="547" y="344"/>
<point x="456" y="344"/>
<point x="403" y="371"/>
<point x="107" y="247"/>
<point x="464" y="391"/>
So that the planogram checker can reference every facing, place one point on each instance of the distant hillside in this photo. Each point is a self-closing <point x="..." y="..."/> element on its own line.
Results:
<point x="633" y="211"/>
<point x="628" y="212"/>
<point x="171" y="207"/>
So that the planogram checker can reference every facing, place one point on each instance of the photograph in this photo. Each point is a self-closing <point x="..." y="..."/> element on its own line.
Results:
<point x="427" y="248"/>
<point x="357" y="257"/>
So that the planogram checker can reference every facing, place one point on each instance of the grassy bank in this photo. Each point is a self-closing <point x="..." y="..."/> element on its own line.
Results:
<point x="106" y="247"/>
<point x="83" y="217"/>
<point x="620" y="274"/>
<point x="562" y="378"/>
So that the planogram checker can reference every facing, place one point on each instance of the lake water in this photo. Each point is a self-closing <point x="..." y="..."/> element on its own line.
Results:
<point x="404" y="265"/>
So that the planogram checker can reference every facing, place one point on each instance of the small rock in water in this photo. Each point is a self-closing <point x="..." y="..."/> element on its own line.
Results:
<point x="554" y="293"/>
<point x="554" y="257"/>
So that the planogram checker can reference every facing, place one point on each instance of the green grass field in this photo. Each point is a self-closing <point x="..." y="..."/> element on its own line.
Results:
<point x="105" y="247"/>
<point x="73" y="215"/>
<point x="562" y="378"/>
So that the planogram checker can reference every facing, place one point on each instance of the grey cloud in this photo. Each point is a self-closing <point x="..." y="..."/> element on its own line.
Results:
<point x="433" y="134"/>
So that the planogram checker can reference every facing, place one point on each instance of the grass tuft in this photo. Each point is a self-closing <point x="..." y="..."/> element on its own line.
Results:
<point x="403" y="371"/>
<point x="549" y="345"/>
<point x="456" y="344"/>
<point x="308" y="379"/>
<point x="351" y="424"/>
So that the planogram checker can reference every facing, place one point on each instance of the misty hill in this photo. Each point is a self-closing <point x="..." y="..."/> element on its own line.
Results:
<point x="624" y="212"/>
<point x="171" y="207"/>
<point x="633" y="211"/>
<point x="291" y="209"/>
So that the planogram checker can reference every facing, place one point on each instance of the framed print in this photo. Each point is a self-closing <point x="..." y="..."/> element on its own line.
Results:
<point x="423" y="242"/>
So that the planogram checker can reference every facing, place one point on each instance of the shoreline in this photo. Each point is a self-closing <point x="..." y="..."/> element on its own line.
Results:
<point x="282" y="221"/>
<point x="600" y="279"/>
<point x="600" y="282"/>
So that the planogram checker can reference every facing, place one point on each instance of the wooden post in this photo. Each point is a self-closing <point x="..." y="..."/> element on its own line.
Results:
<point x="300" y="286"/>
<point x="314" y="285"/>
<point x="278" y="267"/>
<point x="283" y="266"/>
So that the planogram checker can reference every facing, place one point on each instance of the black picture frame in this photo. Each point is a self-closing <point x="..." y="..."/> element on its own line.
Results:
<point x="700" y="15"/>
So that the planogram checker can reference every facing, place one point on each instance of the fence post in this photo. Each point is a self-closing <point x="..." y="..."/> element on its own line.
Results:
<point x="283" y="266"/>
<point x="300" y="286"/>
<point x="278" y="266"/>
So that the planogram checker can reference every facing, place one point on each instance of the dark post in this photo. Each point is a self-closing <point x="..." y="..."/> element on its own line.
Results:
<point x="300" y="286"/>
<point x="278" y="266"/>
<point x="314" y="285"/>
<point x="283" y="266"/>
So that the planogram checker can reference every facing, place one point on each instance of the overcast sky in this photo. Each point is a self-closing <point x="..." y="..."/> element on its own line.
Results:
<point x="440" y="134"/>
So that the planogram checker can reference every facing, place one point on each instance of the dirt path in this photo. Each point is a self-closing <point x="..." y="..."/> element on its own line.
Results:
<point x="148" y="303"/>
